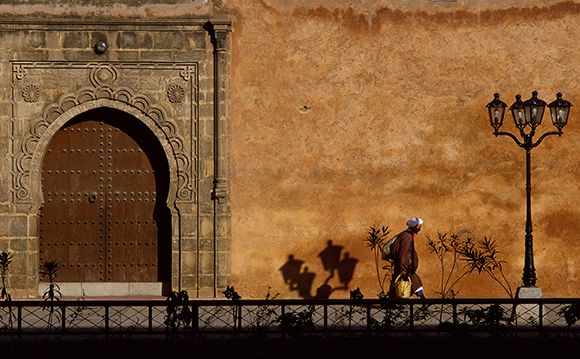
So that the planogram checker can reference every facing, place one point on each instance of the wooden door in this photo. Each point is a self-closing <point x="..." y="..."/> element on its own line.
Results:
<point x="104" y="182"/>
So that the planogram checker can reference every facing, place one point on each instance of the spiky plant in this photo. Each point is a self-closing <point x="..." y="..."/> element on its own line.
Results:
<point x="483" y="257"/>
<point x="50" y="269"/>
<point x="376" y="237"/>
<point x="52" y="294"/>
<point x="5" y="260"/>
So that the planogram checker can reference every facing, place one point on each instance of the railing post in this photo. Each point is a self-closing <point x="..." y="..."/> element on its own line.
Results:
<point x="194" y="318"/>
<point x="106" y="321"/>
<point x="239" y="317"/>
<point x="19" y="324"/>
<point x="368" y="317"/>
<point x="454" y="306"/>
<point x="411" y="317"/>
<point x="282" y="313"/>
<point x="541" y="315"/>
<point x="63" y="317"/>
<point x="150" y="317"/>
<point x="325" y="319"/>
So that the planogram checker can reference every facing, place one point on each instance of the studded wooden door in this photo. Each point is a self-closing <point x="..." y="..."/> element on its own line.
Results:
<point x="104" y="186"/>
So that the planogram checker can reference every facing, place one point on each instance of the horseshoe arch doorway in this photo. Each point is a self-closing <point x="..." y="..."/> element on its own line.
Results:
<point x="105" y="181"/>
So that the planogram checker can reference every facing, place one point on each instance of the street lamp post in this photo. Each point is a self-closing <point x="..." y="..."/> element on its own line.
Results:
<point x="527" y="117"/>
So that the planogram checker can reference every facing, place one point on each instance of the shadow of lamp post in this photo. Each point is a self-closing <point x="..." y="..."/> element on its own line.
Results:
<point x="527" y="117"/>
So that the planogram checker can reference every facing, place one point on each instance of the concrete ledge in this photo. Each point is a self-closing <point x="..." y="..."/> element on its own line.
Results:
<point x="106" y="289"/>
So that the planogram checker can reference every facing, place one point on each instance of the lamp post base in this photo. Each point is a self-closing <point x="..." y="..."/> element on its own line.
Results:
<point x="527" y="314"/>
<point x="528" y="292"/>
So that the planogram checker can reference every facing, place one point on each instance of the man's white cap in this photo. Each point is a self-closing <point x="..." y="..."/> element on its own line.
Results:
<point x="414" y="221"/>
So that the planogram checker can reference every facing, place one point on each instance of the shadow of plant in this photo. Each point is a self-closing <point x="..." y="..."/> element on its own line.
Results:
<point x="481" y="256"/>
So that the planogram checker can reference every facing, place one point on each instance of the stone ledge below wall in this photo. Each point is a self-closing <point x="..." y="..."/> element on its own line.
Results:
<point x="106" y="289"/>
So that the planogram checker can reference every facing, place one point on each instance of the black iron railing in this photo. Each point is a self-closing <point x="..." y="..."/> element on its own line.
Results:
<point x="289" y="317"/>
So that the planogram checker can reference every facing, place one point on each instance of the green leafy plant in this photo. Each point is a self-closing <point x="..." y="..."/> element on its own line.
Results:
<point x="264" y="316"/>
<point x="52" y="294"/>
<point x="477" y="256"/>
<point x="356" y="295"/>
<point x="489" y="318"/>
<point x="376" y="237"/>
<point x="50" y="269"/>
<point x="398" y="315"/>
<point x="178" y="313"/>
<point x="571" y="313"/>
<point x="344" y="317"/>
<point x="230" y="293"/>
<point x="395" y="316"/>
<point x="76" y="313"/>
<point x="445" y="246"/>
<point x="218" y="312"/>
<point x="5" y="261"/>
<point x="297" y="323"/>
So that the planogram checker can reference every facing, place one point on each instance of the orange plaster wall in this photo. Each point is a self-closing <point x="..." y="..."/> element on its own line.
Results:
<point x="368" y="112"/>
<point x="350" y="113"/>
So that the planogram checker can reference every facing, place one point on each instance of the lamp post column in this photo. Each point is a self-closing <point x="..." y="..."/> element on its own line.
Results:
<point x="529" y="276"/>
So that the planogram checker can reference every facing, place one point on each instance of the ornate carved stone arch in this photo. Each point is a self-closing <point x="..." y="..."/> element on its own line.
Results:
<point x="153" y="118"/>
<point x="27" y="162"/>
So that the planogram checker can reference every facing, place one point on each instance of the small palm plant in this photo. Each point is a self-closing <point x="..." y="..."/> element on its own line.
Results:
<point x="52" y="293"/>
<point x="444" y="246"/>
<point x="377" y="236"/>
<point x="5" y="260"/>
<point x="50" y="269"/>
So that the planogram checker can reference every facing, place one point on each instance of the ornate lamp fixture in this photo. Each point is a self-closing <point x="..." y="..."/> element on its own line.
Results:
<point x="527" y="116"/>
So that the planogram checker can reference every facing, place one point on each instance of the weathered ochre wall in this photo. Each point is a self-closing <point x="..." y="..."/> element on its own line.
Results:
<point x="351" y="113"/>
<point x="345" y="114"/>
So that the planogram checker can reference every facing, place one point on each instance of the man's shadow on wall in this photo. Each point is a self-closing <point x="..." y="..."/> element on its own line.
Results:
<point x="300" y="278"/>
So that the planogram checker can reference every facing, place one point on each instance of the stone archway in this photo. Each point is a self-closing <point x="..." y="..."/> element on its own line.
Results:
<point x="165" y="256"/>
<point x="104" y="218"/>
<point x="154" y="120"/>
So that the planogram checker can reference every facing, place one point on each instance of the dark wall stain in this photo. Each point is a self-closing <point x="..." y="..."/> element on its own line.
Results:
<point x="345" y="17"/>
<point x="562" y="223"/>
<point x="385" y="15"/>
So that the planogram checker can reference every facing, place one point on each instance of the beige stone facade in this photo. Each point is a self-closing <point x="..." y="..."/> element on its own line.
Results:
<point x="302" y="124"/>
<point x="160" y="72"/>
